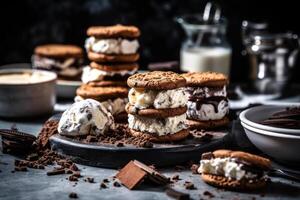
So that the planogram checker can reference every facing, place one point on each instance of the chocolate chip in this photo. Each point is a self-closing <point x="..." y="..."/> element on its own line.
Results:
<point x="194" y="168"/>
<point x="89" y="116"/>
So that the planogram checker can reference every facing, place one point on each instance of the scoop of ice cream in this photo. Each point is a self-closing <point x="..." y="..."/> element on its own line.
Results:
<point x="85" y="117"/>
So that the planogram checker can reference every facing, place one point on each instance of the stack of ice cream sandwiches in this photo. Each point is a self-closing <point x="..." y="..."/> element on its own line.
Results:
<point x="113" y="52"/>
<point x="65" y="60"/>
<point x="157" y="106"/>
<point x="207" y="105"/>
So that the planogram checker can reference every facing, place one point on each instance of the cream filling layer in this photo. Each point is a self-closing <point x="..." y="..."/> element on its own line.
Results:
<point x="160" y="127"/>
<point x="90" y="74"/>
<point x="225" y="167"/>
<point x="158" y="99"/>
<point x="111" y="46"/>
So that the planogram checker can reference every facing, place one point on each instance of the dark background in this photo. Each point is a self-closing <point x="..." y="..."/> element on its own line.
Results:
<point x="27" y="23"/>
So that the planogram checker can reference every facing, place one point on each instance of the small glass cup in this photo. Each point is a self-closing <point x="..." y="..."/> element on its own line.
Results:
<point x="205" y="47"/>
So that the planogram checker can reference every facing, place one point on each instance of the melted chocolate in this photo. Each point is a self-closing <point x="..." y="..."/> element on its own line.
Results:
<point x="214" y="100"/>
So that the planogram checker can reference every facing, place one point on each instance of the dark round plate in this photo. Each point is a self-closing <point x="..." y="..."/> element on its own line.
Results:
<point x="110" y="156"/>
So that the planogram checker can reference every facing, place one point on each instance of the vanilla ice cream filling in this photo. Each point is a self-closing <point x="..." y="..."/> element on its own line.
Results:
<point x="159" y="99"/>
<point x="111" y="46"/>
<point x="90" y="74"/>
<point x="85" y="117"/>
<point x="207" y="111"/>
<point x="225" y="167"/>
<point x="160" y="127"/>
<point x="114" y="106"/>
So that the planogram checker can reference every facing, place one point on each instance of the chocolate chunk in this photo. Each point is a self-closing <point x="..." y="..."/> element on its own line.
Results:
<point x="176" y="194"/>
<point x="136" y="172"/>
<point x="55" y="172"/>
<point x="73" y="195"/>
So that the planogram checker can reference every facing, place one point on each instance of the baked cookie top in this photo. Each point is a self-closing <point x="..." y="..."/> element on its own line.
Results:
<point x="114" y="67"/>
<point x="102" y="93"/>
<point x="210" y="79"/>
<point x="156" y="80"/>
<point x="244" y="156"/>
<point x="114" y="31"/>
<point x="59" y="50"/>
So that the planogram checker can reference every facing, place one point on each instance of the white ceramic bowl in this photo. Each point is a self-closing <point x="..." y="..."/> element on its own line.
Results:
<point x="282" y="147"/>
<point x="27" y="99"/>
<point x="254" y="115"/>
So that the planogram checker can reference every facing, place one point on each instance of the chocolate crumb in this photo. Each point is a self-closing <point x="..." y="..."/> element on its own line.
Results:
<point x="116" y="184"/>
<point x="209" y="194"/>
<point x="73" y="178"/>
<point x="90" y="179"/>
<point x="175" y="177"/>
<point x="103" y="185"/>
<point x="73" y="195"/>
<point x="194" y="169"/>
<point x="189" y="185"/>
<point x="74" y="167"/>
<point x="105" y="180"/>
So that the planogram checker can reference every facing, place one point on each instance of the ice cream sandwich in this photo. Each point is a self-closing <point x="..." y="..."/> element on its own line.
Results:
<point x="207" y="105"/>
<point x="65" y="60"/>
<point x="157" y="106"/>
<point x="234" y="169"/>
<point x="113" y="43"/>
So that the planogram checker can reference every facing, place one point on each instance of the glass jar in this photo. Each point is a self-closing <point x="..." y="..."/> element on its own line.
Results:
<point x="205" y="47"/>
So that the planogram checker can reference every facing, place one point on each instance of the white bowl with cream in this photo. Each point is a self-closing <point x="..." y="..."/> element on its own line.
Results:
<point x="26" y="92"/>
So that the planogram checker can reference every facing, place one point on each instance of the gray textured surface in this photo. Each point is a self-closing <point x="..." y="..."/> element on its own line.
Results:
<point x="35" y="184"/>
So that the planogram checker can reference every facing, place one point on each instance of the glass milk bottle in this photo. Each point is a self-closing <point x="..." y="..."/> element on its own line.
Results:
<point x="206" y="47"/>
